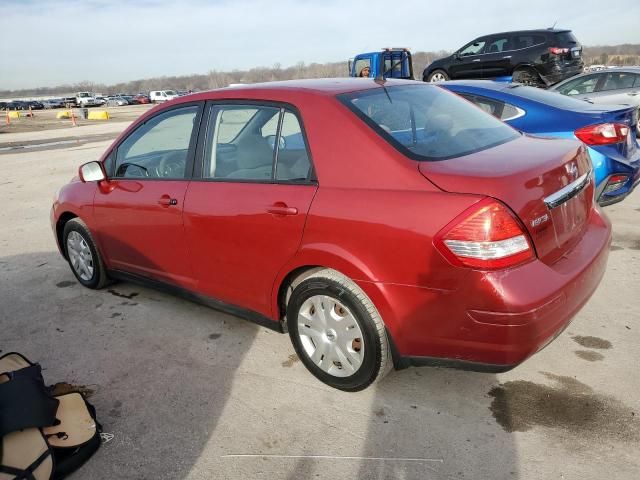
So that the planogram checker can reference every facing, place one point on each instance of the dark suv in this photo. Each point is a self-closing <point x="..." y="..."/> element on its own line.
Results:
<point x="534" y="57"/>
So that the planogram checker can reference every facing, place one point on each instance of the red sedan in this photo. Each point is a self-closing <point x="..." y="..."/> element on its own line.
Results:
<point x="381" y="225"/>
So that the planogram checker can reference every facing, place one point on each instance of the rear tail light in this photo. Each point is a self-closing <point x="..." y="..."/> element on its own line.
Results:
<point x="487" y="236"/>
<point x="614" y="183"/>
<point x="558" y="50"/>
<point x="603" y="133"/>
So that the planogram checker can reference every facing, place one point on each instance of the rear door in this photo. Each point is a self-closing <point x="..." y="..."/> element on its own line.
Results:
<point x="245" y="213"/>
<point x="139" y="210"/>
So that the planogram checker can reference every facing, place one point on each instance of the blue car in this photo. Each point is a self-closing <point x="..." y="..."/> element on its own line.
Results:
<point x="607" y="130"/>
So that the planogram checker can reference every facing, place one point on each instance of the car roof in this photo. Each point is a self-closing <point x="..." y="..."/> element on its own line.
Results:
<point x="597" y="72"/>
<point x="312" y="87"/>
<point x="535" y="30"/>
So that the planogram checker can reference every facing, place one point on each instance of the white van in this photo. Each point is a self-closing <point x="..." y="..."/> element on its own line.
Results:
<point x="157" y="96"/>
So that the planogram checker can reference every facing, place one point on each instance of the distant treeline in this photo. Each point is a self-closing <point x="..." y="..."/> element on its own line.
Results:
<point x="627" y="54"/>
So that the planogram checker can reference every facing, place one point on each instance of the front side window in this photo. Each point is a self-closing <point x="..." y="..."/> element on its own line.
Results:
<point x="474" y="48"/>
<point x="159" y="148"/>
<point x="255" y="143"/>
<point x="580" y="86"/>
<point x="425" y="122"/>
<point x="498" y="44"/>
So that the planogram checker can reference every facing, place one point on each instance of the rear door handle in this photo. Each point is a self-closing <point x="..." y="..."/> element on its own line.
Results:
<point x="476" y="60"/>
<point x="633" y="94"/>
<point x="281" y="208"/>
<point x="167" y="201"/>
<point x="508" y="56"/>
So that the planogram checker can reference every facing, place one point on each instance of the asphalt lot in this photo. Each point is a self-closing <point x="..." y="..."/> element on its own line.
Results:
<point x="192" y="393"/>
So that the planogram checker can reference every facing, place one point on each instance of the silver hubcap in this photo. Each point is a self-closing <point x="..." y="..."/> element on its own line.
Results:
<point x="330" y="336"/>
<point x="80" y="256"/>
<point x="438" y="77"/>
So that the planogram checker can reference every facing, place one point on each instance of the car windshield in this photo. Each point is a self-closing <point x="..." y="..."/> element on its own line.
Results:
<point x="425" y="122"/>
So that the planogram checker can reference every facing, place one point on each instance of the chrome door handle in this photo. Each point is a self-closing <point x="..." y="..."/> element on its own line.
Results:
<point x="476" y="60"/>
<point x="508" y="56"/>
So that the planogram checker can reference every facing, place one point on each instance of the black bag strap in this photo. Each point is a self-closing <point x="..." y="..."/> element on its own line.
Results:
<point x="25" y="403"/>
<point x="26" y="474"/>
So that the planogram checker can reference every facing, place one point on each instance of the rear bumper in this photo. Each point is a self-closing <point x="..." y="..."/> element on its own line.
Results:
<point x="494" y="320"/>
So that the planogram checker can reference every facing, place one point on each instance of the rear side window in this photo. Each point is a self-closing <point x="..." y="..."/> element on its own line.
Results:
<point x="426" y="122"/>
<point x="499" y="109"/>
<point x="527" y="40"/>
<point x="618" y="81"/>
<point x="566" y="38"/>
<point x="255" y="143"/>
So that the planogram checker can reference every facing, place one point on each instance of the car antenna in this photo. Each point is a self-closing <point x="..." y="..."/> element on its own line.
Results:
<point x="554" y="25"/>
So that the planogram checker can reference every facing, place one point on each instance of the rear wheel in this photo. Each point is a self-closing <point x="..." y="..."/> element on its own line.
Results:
<point x="528" y="76"/>
<point x="437" y="76"/>
<point x="337" y="332"/>
<point x="82" y="255"/>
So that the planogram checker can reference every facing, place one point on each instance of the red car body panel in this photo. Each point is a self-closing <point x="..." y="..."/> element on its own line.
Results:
<point x="373" y="216"/>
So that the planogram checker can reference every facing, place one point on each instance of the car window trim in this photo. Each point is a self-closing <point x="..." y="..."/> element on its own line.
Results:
<point x="188" y="174"/>
<point x="521" y="112"/>
<point x="197" y="176"/>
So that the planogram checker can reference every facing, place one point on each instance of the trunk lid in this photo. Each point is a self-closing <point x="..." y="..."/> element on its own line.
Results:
<point x="547" y="183"/>
<point x="628" y="150"/>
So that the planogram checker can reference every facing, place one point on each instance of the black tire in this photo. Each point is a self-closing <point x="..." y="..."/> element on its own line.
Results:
<point x="434" y="76"/>
<point x="528" y="76"/>
<point x="98" y="278"/>
<point x="376" y="360"/>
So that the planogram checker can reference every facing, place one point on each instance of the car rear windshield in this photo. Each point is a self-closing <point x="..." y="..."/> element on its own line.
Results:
<point x="425" y="122"/>
<point x="566" y="38"/>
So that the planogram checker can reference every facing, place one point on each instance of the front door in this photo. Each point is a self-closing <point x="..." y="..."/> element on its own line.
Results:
<point x="138" y="211"/>
<point x="245" y="215"/>
<point x="496" y="61"/>
<point x="468" y="60"/>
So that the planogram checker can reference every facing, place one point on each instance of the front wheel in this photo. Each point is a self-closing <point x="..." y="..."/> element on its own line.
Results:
<point x="437" y="76"/>
<point x="83" y="256"/>
<point x="337" y="332"/>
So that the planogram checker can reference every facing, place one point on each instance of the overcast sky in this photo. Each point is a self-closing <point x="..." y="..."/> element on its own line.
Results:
<point x="51" y="42"/>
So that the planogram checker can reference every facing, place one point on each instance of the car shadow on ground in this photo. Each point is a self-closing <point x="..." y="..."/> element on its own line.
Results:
<point x="158" y="369"/>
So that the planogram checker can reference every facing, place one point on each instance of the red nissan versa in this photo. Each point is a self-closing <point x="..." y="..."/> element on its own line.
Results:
<point x="382" y="225"/>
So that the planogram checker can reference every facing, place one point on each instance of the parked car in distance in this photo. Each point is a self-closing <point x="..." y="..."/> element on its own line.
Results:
<point x="495" y="238"/>
<point x="53" y="103"/>
<point x="158" y="96"/>
<point x="614" y="86"/>
<point x="142" y="99"/>
<point x="17" y="105"/>
<point x="86" y="99"/>
<point x="607" y="130"/>
<point x="535" y="57"/>
<point x="33" y="105"/>
<point x="116" y="101"/>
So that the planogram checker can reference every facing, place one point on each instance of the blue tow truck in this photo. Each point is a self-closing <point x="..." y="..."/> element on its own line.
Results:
<point x="387" y="63"/>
